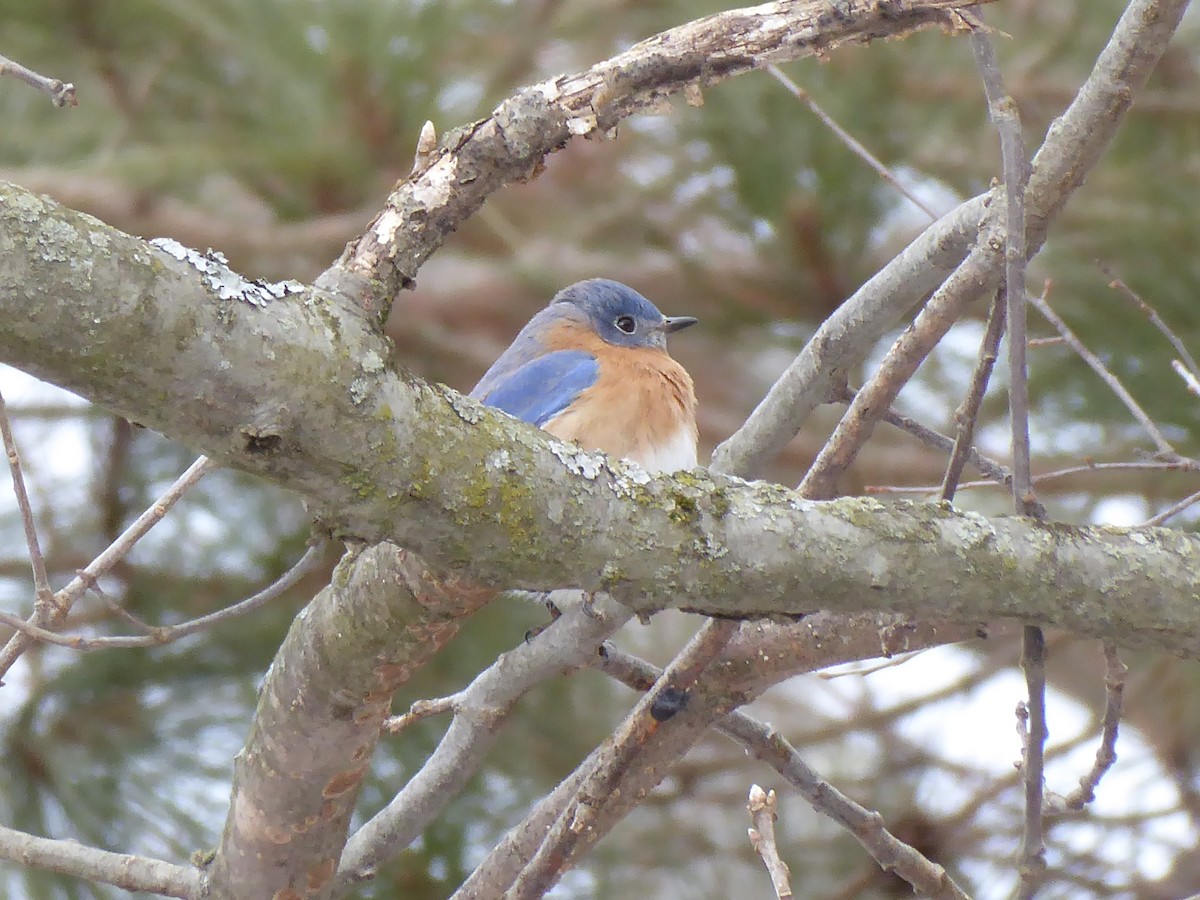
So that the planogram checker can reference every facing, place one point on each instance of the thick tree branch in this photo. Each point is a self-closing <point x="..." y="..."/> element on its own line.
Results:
<point x="300" y="392"/>
<point x="318" y="719"/>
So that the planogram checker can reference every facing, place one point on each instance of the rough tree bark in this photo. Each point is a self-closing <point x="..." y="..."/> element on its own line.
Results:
<point x="303" y="390"/>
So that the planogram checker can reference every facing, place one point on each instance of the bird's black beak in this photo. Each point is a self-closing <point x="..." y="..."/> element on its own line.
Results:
<point x="678" y="323"/>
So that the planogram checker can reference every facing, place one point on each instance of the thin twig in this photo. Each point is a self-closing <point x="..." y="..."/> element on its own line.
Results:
<point x="1171" y="511"/>
<point x="848" y="139"/>
<point x="1002" y="110"/>
<point x="910" y="349"/>
<point x="1189" y="379"/>
<point x="1148" y="311"/>
<point x="115" y="607"/>
<point x="419" y="711"/>
<point x="1177" y="464"/>
<point x="61" y="93"/>
<point x="1114" y="384"/>
<point x="967" y="413"/>
<point x="859" y="670"/>
<point x="1033" y="850"/>
<point x="44" y="603"/>
<point x="113" y="554"/>
<point x="985" y="464"/>
<point x="1106" y="754"/>
<point x="762" y="806"/>
<point x="169" y="633"/>
<point x="480" y="711"/>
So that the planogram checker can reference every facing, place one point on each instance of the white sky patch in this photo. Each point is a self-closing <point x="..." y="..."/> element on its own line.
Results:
<point x="1125" y="510"/>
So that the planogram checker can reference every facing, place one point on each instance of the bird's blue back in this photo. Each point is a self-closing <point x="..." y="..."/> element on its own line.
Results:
<point x="584" y="340"/>
<point x="543" y="387"/>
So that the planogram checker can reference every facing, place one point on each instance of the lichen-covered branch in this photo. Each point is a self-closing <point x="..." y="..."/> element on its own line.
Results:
<point x="301" y="392"/>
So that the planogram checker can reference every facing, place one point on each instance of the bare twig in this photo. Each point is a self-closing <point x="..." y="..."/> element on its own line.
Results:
<point x="1148" y="311"/>
<point x="419" y="711"/>
<point x="1002" y="110"/>
<point x="44" y="604"/>
<point x="133" y="873"/>
<point x="1189" y="378"/>
<point x="931" y="438"/>
<point x="1033" y="851"/>
<point x="61" y="93"/>
<point x="849" y="140"/>
<point x="481" y="710"/>
<point x="1173" y="510"/>
<point x="859" y="670"/>
<point x="1176" y="464"/>
<point x="115" y="607"/>
<point x="967" y="413"/>
<point x="902" y="360"/>
<point x="1114" y="384"/>
<point x="113" y="554"/>
<point x="1106" y="754"/>
<point x="159" y="635"/>
<point x="762" y="805"/>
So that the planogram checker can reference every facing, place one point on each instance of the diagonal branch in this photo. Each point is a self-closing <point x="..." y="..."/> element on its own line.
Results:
<point x="61" y="93"/>
<point x="602" y="797"/>
<point x="133" y="873"/>
<point x="64" y="599"/>
<point x="1072" y="147"/>
<point x="512" y="143"/>
<point x="761" y="654"/>
<point x="480" y="713"/>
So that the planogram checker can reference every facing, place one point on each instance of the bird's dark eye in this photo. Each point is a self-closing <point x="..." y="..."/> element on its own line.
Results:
<point x="626" y="324"/>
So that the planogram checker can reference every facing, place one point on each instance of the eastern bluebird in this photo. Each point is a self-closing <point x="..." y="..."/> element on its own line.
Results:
<point x="592" y="367"/>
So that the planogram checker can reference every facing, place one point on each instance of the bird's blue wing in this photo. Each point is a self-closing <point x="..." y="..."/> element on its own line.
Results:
<point x="543" y="387"/>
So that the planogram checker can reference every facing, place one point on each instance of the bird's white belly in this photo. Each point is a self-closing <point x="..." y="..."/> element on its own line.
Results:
<point x="668" y="456"/>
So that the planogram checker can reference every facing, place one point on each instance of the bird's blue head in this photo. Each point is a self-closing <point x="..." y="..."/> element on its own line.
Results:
<point x="619" y="314"/>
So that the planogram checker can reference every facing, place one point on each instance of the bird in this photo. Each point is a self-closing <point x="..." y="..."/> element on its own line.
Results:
<point x="593" y="368"/>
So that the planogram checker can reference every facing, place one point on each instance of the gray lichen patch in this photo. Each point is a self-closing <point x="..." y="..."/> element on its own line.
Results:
<point x="226" y="283"/>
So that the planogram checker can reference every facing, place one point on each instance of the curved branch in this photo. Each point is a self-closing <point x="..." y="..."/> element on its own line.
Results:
<point x="449" y="185"/>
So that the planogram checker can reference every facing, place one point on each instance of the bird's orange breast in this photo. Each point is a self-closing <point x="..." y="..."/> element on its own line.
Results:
<point x="642" y="406"/>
